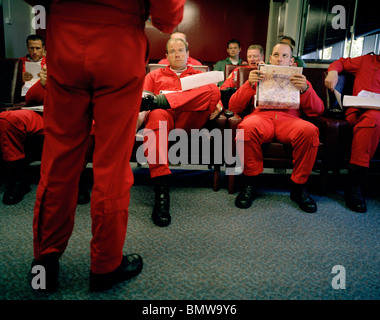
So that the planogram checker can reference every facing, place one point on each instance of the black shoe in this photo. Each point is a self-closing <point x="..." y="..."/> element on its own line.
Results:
<point x="130" y="267"/>
<point x="50" y="264"/>
<point x="300" y="195"/>
<point x="245" y="197"/>
<point x="15" y="192"/>
<point x="354" y="199"/>
<point x="83" y="195"/>
<point x="160" y="215"/>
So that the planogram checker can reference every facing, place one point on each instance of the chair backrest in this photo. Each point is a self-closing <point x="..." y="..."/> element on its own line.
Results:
<point x="242" y="76"/>
<point x="228" y="69"/>
<point x="10" y="82"/>
<point x="317" y="76"/>
<point x="152" y="66"/>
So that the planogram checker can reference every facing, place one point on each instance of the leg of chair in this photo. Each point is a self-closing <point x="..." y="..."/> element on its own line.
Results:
<point x="231" y="182"/>
<point x="216" y="177"/>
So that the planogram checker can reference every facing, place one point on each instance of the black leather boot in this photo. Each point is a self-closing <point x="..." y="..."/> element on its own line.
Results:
<point x="17" y="184"/>
<point x="247" y="193"/>
<point x="151" y="101"/>
<point x="130" y="267"/>
<point x="300" y="195"/>
<point x="353" y="195"/>
<point x="160" y="215"/>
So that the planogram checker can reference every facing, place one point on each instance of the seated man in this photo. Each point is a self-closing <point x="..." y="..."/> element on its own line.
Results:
<point x="233" y="50"/>
<point x="14" y="126"/>
<point x="185" y="110"/>
<point x="365" y="122"/>
<point x="255" y="56"/>
<point x="190" y="61"/>
<point x="286" y="126"/>
<point x="36" y="56"/>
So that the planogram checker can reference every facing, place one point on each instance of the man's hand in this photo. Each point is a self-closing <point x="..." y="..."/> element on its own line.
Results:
<point x="26" y="76"/>
<point x="216" y="112"/>
<point x="43" y="75"/>
<point x="331" y="80"/>
<point x="255" y="76"/>
<point x="299" y="81"/>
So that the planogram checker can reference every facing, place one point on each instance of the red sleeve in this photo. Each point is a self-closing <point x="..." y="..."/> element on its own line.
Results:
<point x="35" y="95"/>
<point x="166" y="14"/>
<point x="311" y="104"/>
<point x="350" y="65"/>
<point x="242" y="98"/>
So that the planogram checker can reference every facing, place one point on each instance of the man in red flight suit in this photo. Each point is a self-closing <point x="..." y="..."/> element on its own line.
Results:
<point x="255" y="56"/>
<point x="85" y="84"/>
<point x="285" y="125"/>
<point x="187" y="110"/>
<point x="15" y="125"/>
<point x="191" y="61"/>
<point x="365" y="122"/>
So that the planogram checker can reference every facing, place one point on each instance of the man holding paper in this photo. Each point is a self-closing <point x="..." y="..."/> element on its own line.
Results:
<point x="35" y="59"/>
<point x="265" y="124"/>
<point x="365" y="122"/>
<point x="176" y="108"/>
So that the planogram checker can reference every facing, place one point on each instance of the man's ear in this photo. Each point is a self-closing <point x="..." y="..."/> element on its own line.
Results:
<point x="291" y="61"/>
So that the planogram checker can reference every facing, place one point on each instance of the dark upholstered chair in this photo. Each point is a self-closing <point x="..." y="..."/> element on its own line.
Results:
<point x="10" y="84"/>
<point x="220" y="123"/>
<point x="228" y="69"/>
<point x="278" y="155"/>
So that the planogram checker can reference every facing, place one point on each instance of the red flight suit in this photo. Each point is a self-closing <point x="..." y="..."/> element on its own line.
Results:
<point x="15" y="124"/>
<point x="99" y="77"/>
<point x="365" y="122"/>
<point x="286" y="126"/>
<point x="190" y="109"/>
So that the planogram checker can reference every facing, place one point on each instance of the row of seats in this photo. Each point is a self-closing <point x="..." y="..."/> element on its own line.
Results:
<point x="335" y="133"/>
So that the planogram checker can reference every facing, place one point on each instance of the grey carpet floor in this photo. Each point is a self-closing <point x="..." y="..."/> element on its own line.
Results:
<point x="212" y="250"/>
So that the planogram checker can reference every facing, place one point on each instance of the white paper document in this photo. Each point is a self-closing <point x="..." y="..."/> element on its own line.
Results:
<point x="201" y="79"/>
<point x="276" y="91"/>
<point x="365" y="99"/>
<point x="34" y="68"/>
<point x="35" y="108"/>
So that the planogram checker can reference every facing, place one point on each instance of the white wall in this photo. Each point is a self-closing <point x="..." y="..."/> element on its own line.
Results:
<point x="292" y="23"/>
<point x="17" y="26"/>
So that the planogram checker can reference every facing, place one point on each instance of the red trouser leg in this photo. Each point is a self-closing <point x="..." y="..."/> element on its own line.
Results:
<point x="256" y="129"/>
<point x="304" y="138"/>
<point x="81" y="88"/>
<point x="366" y="136"/>
<point x="190" y="110"/>
<point x="14" y="125"/>
<point x="263" y="127"/>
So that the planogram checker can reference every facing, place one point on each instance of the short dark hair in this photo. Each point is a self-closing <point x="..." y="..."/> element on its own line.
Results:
<point x="290" y="39"/>
<point x="233" y="41"/>
<point x="34" y="37"/>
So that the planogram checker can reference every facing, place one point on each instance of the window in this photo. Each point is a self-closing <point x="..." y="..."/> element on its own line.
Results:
<point x="331" y="29"/>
